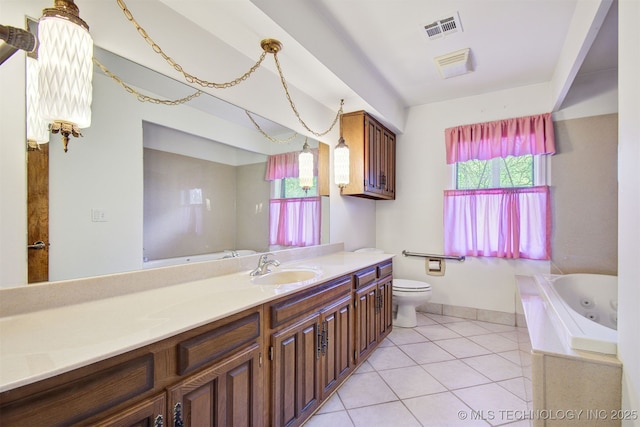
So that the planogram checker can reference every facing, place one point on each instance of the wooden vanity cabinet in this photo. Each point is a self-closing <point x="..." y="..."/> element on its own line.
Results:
<point x="143" y="386"/>
<point x="373" y="290"/>
<point x="372" y="157"/>
<point x="273" y="364"/>
<point x="309" y="349"/>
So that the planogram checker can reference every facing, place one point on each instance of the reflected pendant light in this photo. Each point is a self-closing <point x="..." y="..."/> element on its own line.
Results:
<point x="305" y="167"/>
<point x="37" y="128"/>
<point x="341" y="163"/>
<point x="65" y="53"/>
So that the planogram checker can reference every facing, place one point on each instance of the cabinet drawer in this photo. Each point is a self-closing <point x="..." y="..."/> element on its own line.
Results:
<point x="365" y="277"/>
<point x="304" y="302"/>
<point x="74" y="401"/>
<point x="209" y="346"/>
<point x="385" y="269"/>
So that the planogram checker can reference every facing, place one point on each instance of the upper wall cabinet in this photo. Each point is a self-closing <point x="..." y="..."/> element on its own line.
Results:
<point x="372" y="151"/>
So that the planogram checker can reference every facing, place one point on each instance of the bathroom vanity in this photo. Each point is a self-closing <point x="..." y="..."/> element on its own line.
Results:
<point x="217" y="351"/>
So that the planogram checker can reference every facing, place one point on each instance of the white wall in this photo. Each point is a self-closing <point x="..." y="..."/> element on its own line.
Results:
<point x="353" y="220"/>
<point x="414" y="221"/>
<point x="629" y="206"/>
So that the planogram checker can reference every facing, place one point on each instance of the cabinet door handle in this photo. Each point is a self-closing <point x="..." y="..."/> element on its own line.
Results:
<point x="320" y="341"/>
<point x="177" y="415"/>
<point x="325" y="337"/>
<point x="159" y="421"/>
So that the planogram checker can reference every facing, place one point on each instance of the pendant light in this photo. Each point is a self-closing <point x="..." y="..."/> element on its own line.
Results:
<point x="65" y="54"/>
<point x="341" y="163"/>
<point x="37" y="127"/>
<point x="305" y="167"/>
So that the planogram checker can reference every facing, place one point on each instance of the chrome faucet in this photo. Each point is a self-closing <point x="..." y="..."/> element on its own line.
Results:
<point x="263" y="265"/>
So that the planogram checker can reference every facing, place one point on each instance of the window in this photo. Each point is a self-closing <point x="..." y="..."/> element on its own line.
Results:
<point x="500" y="207"/>
<point x="495" y="173"/>
<point x="294" y="214"/>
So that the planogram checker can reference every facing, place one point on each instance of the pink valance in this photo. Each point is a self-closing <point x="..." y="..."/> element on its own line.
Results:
<point x="285" y="165"/>
<point x="511" y="137"/>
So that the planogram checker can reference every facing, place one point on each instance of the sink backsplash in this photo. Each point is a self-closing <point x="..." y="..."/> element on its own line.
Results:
<point x="24" y="299"/>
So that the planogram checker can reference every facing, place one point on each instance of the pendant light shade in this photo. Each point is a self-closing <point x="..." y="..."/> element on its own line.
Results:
<point x="66" y="69"/>
<point x="37" y="127"/>
<point x="305" y="167"/>
<point x="341" y="163"/>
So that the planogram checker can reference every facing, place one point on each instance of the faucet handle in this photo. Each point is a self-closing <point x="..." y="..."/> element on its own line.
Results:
<point x="264" y="257"/>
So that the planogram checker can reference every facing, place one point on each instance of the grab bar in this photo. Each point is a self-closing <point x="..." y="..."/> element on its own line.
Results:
<point x="455" y="258"/>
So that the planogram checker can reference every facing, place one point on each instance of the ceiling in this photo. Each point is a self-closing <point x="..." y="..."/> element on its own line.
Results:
<point x="376" y="54"/>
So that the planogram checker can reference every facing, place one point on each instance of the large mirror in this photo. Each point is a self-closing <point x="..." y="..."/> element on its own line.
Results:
<point x="103" y="193"/>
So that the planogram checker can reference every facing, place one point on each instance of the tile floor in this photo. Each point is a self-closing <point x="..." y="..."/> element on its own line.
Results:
<point x="447" y="371"/>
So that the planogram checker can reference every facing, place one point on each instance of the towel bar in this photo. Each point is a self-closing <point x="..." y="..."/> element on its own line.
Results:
<point x="418" y="254"/>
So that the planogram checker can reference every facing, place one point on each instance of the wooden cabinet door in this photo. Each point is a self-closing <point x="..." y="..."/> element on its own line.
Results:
<point x="366" y="319"/>
<point x="337" y="350"/>
<point x="388" y="165"/>
<point x="372" y="141"/>
<point x="385" y="307"/>
<point x="148" y="413"/>
<point x="294" y="375"/>
<point x="228" y="393"/>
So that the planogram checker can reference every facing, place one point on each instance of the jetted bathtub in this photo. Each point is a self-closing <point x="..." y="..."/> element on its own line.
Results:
<point x="196" y="258"/>
<point x="583" y="309"/>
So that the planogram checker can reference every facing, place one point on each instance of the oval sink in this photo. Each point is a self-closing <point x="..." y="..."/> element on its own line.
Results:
<point x="287" y="277"/>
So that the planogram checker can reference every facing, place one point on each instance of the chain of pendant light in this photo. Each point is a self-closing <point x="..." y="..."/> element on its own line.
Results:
<point x="188" y="77"/>
<point x="146" y="98"/>
<point x="266" y="135"/>
<point x="193" y="79"/>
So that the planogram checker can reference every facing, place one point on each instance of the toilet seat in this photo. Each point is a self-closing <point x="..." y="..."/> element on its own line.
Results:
<point x="405" y="285"/>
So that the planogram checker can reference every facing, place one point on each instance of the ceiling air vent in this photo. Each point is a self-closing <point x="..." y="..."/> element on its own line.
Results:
<point x="454" y="64"/>
<point x="443" y="27"/>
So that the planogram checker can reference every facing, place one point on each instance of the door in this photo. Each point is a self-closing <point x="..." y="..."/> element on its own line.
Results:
<point x="148" y="413"/>
<point x="228" y="393"/>
<point x="366" y="319"/>
<point x="385" y="303"/>
<point x="337" y="350"/>
<point x="38" y="214"/>
<point x="295" y="384"/>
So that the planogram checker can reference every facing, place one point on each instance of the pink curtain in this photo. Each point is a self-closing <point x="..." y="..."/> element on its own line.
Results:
<point x="502" y="222"/>
<point x="502" y="138"/>
<point x="294" y="222"/>
<point x="285" y="165"/>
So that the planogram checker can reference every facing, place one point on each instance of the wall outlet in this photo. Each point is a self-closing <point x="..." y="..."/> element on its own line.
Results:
<point x="98" y="215"/>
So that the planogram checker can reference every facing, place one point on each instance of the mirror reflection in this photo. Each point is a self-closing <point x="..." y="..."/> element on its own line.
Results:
<point x="164" y="184"/>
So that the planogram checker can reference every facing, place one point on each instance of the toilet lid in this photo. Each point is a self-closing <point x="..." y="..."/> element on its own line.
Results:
<point x="410" y="285"/>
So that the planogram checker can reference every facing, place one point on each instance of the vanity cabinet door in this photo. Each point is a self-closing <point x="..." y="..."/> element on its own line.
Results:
<point x="228" y="393"/>
<point x="385" y="303"/>
<point x="366" y="320"/>
<point x="336" y="361"/>
<point x="148" y="413"/>
<point x="294" y="375"/>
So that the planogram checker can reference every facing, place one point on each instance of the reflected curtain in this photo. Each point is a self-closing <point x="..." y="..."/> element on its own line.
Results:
<point x="295" y="221"/>
<point x="285" y="165"/>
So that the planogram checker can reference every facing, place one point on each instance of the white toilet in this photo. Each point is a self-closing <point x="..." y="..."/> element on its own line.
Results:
<point x="407" y="295"/>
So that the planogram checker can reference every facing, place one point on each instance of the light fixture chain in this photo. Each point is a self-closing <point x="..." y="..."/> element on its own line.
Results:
<point x="293" y="106"/>
<point x="269" y="137"/>
<point x="188" y="77"/>
<point x="142" y="97"/>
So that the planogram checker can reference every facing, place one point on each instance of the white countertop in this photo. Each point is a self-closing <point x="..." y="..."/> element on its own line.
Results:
<point x="40" y="344"/>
